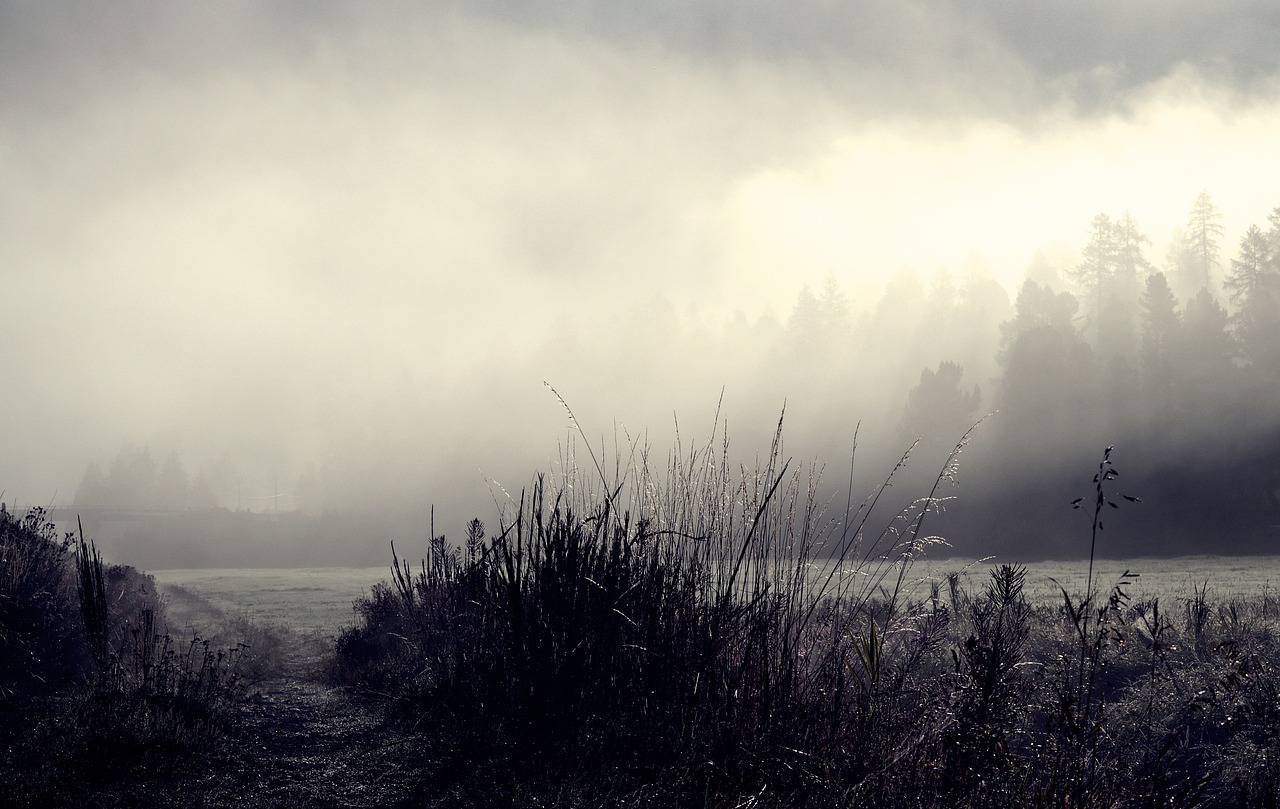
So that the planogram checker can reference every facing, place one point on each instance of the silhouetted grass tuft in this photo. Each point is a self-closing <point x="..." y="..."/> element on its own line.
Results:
<point x="713" y="632"/>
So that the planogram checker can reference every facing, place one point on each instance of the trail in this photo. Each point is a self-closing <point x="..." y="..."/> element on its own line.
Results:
<point x="299" y="743"/>
<point x="294" y="741"/>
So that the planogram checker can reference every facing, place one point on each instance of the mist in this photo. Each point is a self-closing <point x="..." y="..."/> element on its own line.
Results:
<point x="326" y="260"/>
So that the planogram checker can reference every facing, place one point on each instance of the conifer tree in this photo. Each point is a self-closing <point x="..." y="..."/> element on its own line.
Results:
<point x="1253" y="288"/>
<point x="1160" y="327"/>
<point x="1203" y="244"/>
<point x="1037" y="306"/>
<point x="1093" y="275"/>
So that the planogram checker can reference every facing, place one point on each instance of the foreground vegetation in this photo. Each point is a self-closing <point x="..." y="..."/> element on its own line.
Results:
<point x="96" y="696"/>
<point x="699" y="635"/>
<point x="683" y="640"/>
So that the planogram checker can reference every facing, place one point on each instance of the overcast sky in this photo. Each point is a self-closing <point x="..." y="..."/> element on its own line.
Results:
<point x="225" y="227"/>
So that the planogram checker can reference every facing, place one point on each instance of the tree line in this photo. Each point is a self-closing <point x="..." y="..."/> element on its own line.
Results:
<point x="1176" y="361"/>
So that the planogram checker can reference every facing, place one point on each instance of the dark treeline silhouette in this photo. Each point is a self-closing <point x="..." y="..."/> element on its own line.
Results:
<point x="1187" y="386"/>
<point x="1177" y="363"/>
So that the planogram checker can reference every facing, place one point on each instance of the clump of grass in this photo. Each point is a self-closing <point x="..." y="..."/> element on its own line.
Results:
<point x="717" y="633"/>
<point x="155" y="704"/>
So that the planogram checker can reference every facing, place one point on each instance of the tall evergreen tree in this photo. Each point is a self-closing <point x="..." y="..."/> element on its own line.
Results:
<point x="804" y="326"/>
<point x="1204" y="234"/>
<point x="1037" y="306"/>
<point x="833" y="310"/>
<point x="938" y="410"/>
<point x="1206" y="349"/>
<point x="1093" y="275"/>
<point x="1123" y="291"/>
<point x="1253" y="287"/>
<point x="1160" y="328"/>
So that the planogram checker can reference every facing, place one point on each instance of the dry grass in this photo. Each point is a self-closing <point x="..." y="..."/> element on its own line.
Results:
<point x="635" y="639"/>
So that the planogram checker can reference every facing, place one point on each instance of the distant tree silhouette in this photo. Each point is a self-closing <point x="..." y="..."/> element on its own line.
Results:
<point x="1108" y="279"/>
<point x="1047" y="397"/>
<point x="1161" y="325"/>
<point x="172" y="489"/>
<point x="1118" y="328"/>
<point x="833" y="310"/>
<point x="938" y="410"/>
<point x="93" y="491"/>
<point x="1037" y="307"/>
<point x="898" y="337"/>
<point x="1093" y="275"/>
<point x="1048" y="267"/>
<point x="1203" y="244"/>
<point x="133" y="480"/>
<point x="804" y="326"/>
<point x="1206" y="368"/>
<point x="1253" y="287"/>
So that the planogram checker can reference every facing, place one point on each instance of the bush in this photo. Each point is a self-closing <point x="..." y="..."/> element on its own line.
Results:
<point x="41" y="636"/>
<point x="93" y="690"/>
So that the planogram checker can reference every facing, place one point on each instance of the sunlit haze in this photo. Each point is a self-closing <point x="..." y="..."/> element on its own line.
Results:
<point x="350" y="241"/>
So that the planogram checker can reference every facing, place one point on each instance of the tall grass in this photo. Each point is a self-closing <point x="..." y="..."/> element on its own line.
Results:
<point x="713" y="634"/>
<point x="717" y="631"/>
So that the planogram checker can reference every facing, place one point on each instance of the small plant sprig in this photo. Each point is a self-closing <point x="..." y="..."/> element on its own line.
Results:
<point x="1091" y="652"/>
<point x="1106" y="473"/>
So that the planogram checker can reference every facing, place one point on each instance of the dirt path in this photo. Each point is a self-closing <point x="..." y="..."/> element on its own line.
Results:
<point x="298" y="743"/>
<point x="293" y="740"/>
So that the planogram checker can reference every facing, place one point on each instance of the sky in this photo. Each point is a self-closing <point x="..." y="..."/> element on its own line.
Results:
<point x="273" y="232"/>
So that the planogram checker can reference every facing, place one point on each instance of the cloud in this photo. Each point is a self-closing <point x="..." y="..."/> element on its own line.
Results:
<point x="264" y="227"/>
<point x="919" y="56"/>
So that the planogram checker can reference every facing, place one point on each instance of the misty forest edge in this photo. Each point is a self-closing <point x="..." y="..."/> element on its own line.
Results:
<point x="1190" y="391"/>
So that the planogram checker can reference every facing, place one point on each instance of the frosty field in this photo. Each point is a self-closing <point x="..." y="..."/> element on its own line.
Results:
<point x="311" y="600"/>
<point x="319" y="600"/>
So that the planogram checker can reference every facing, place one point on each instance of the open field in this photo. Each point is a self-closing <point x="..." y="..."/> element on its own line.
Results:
<point x="312" y="600"/>
<point x="319" y="600"/>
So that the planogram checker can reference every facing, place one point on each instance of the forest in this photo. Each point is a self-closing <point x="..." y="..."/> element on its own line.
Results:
<point x="1175" y="360"/>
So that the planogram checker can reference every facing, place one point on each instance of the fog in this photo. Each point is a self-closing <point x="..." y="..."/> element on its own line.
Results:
<point x="324" y="258"/>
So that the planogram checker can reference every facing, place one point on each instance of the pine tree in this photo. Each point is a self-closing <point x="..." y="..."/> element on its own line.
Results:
<point x="1123" y="291"/>
<point x="833" y="310"/>
<point x="1204" y="232"/>
<point x="804" y="326"/>
<point x="1160" y="327"/>
<point x="1093" y="275"/>
<point x="937" y="410"/>
<point x="1253" y="287"/>
<point x="1037" y="306"/>
<point x="1206" y="348"/>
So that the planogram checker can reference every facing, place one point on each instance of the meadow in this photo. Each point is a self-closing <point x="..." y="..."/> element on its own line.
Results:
<point x="704" y="634"/>
<point x="322" y="599"/>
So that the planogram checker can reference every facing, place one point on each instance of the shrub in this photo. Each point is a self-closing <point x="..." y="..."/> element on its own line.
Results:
<point x="41" y="637"/>
<point x="93" y="690"/>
